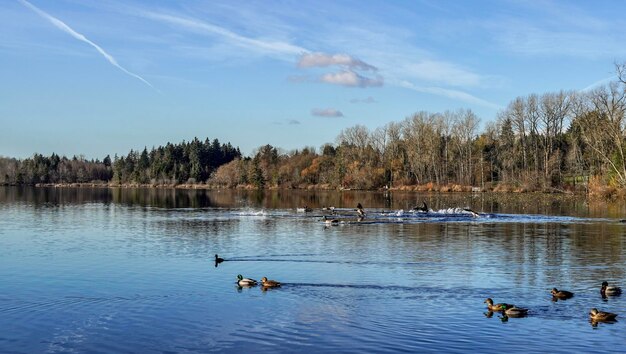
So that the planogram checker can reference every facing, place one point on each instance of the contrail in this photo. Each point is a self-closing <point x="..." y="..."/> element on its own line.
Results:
<point x="65" y="28"/>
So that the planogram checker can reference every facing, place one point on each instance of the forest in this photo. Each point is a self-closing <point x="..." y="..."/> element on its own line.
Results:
<point x="554" y="142"/>
<point x="186" y="162"/>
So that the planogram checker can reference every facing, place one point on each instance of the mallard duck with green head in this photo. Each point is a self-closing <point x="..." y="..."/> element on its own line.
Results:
<point x="514" y="311"/>
<point x="241" y="281"/>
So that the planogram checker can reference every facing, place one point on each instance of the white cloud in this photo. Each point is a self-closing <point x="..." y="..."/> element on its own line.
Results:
<point x="309" y="60"/>
<point x="350" y="78"/>
<point x="67" y="29"/>
<point x="326" y="112"/>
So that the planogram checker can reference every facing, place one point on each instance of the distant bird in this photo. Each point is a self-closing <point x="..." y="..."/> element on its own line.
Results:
<point x="514" y="311"/>
<point x="423" y="208"/>
<point x="306" y="209"/>
<point x="610" y="290"/>
<point x="360" y="211"/>
<point x="474" y="214"/>
<point x="496" y="307"/>
<point x="241" y="281"/>
<point x="561" y="294"/>
<point x="218" y="260"/>
<point x="269" y="283"/>
<point x="599" y="316"/>
<point x="328" y="221"/>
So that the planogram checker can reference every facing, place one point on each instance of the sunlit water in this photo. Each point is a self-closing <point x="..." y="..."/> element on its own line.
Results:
<point x="133" y="271"/>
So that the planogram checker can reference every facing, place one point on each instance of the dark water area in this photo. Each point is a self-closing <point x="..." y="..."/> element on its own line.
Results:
<point x="132" y="270"/>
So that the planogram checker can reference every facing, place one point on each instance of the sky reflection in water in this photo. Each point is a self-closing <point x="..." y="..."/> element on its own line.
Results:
<point x="133" y="270"/>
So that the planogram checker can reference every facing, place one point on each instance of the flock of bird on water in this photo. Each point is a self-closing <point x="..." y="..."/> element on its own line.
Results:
<point x="506" y="309"/>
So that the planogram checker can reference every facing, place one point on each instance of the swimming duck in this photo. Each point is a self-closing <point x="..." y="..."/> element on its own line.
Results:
<point x="241" y="281"/>
<point x="306" y="209"/>
<point x="597" y="316"/>
<point x="269" y="283"/>
<point x="218" y="260"/>
<point x="514" y="311"/>
<point x="610" y="290"/>
<point x="496" y="307"/>
<point x="561" y="294"/>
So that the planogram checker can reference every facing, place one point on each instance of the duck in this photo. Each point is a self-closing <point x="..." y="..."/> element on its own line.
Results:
<point x="423" y="208"/>
<point x="598" y="316"/>
<point x="610" y="290"/>
<point x="269" y="283"/>
<point x="241" y="281"/>
<point x="218" y="260"/>
<point x="328" y="221"/>
<point x="514" y="311"/>
<point x="306" y="209"/>
<point x="496" y="307"/>
<point x="561" y="294"/>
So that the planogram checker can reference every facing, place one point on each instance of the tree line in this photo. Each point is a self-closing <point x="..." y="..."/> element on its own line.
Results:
<point x="548" y="141"/>
<point x="186" y="162"/>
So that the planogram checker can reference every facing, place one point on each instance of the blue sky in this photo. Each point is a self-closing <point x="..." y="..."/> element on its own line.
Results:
<point x="104" y="77"/>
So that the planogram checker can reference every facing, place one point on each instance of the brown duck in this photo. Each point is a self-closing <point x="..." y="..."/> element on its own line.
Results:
<point x="561" y="294"/>
<point x="600" y="316"/>
<point x="496" y="307"/>
<point x="269" y="283"/>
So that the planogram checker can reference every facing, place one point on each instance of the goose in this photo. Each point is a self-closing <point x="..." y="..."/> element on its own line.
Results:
<point x="423" y="208"/>
<point x="328" y="221"/>
<point x="360" y="211"/>
<point x="496" y="307"/>
<point x="241" y="281"/>
<point x="561" y="294"/>
<point x="269" y="283"/>
<point x="599" y="316"/>
<point x="610" y="290"/>
<point x="474" y="214"/>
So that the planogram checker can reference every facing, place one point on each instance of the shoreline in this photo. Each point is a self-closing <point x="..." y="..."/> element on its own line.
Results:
<point x="428" y="188"/>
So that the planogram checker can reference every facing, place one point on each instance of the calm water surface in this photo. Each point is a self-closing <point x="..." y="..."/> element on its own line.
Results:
<point x="100" y="271"/>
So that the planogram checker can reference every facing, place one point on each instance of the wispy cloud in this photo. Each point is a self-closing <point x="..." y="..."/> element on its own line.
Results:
<point x="451" y="93"/>
<point x="67" y="29"/>
<point x="326" y="112"/>
<point x="601" y="82"/>
<point x="198" y="26"/>
<point x="369" y="99"/>
<point x="521" y="37"/>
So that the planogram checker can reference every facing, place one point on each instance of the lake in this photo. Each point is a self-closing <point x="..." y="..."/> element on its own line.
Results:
<point x="132" y="270"/>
